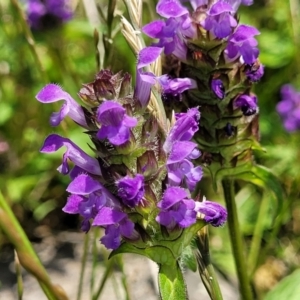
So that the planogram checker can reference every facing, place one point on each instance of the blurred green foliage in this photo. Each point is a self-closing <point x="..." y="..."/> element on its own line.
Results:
<point x="67" y="55"/>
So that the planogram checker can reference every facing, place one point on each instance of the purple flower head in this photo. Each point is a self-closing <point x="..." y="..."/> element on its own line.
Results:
<point x="215" y="214"/>
<point x="176" y="209"/>
<point x="53" y="93"/>
<point x="289" y="108"/>
<point x="220" y="20"/>
<point x="116" y="224"/>
<point x="115" y="124"/>
<point x="255" y="71"/>
<point x="248" y="104"/>
<point x="242" y="43"/>
<point x="54" y="142"/>
<point x="218" y="88"/>
<point x="184" y="128"/>
<point x="176" y="86"/>
<point x="48" y="13"/>
<point x="131" y="190"/>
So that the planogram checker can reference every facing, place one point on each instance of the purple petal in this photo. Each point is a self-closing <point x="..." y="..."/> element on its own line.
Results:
<point x="142" y="91"/>
<point x="154" y="28"/>
<point x="170" y="8"/>
<point x="171" y="196"/>
<point x="184" y="128"/>
<point x="219" y="8"/>
<point x="180" y="150"/>
<point x="218" y="88"/>
<point x="243" y="33"/>
<point x="110" y="113"/>
<point x="112" y="237"/>
<point x="215" y="214"/>
<point x="108" y="216"/>
<point x="248" y="104"/>
<point x="148" y="55"/>
<point x="126" y="228"/>
<point x="84" y="185"/>
<point x="131" y="190"/>
<point x="54" y="142"/>
<point x="72" y="205"/>
<point x="53" y="93"/>
<point x="177" y="85"/>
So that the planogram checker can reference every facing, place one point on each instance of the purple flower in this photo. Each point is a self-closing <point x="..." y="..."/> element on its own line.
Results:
<point x="48" y="13"/>
<point x="54" y="142"/>
<point x="220" y="20"/>
<point x="218" y="88"/>
<point x="53" y="93"/>
<point x="177" y="85"/>
<point x="180" y="168"/>
<point x="289" y="108"/>
<point x="176" y="209"/>
<point x="242" y="42"/>
<point x="87" y="199"/>
<point x="255" y="71"/>
<point x="131" y="190"/>
<point x="181" y="151"/>
<point x="170" y="34"/>
<point x="184" y="128"/>
<point x="115" y="123"/>
<point x="248" y="104"/>
<point x="215" y="214"/>
<point x="116" y="224"/>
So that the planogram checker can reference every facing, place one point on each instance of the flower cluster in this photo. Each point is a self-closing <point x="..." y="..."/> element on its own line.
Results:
<point x="207" y="21"/>
<point x="289" y="108"/>
<point x="218" y="63"/>
<point x="142" y="176"/>
<point x="48" y="13"/>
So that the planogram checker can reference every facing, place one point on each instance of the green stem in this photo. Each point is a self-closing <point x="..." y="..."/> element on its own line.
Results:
<point x="26" y="254"/>
<point x="257" y="235"/>
<point x="205" y="267"/>
<point x="83" y="264"/>
<point x="171" y="282"/>
<point x="236" y="239"/>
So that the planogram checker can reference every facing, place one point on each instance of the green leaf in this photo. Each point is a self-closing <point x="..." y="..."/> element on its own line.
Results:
<point x="171" y="283"/>
<point x="188" y="259"/>
<point x="288" y="288"/>
<point x="263" y="177"/>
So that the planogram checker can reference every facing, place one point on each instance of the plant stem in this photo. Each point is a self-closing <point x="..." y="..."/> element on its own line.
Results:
<point x="83" y="265"/>
<point x="258" y="233"/>
<point x="236" y="239"/>
<point x="26" y="254"/>
<point x="205" y="267"/>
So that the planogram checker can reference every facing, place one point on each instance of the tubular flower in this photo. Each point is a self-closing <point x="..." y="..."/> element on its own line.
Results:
<point x="53" y="93"/>
<point x="220" y="19"/>
<point x="115" y="123"/>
